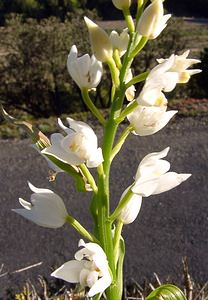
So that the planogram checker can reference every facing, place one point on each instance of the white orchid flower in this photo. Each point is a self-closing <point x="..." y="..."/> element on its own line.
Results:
<point x="90" y="269"/>
<point x="171" y="71"/>
<point x="46" y="209"/>
<point x="164" y="77"/>
<point x="153" y="20"/>
<point x="100" y="41"/>
<point x="152" y="175"/>
<point x="180" y="64"/>
<point x="85" y="71"/>
<point x="120" y="41"/>
<point x="147" y="120"/>
<point x="78" y="146"/>
<point x="152" y="95"/>
<point x="130" y="92"/>
<point x="121" y="4"/>
<point x="129" y="213"/>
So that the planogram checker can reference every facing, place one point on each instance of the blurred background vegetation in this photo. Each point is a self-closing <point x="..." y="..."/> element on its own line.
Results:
<point x="36" y="36"/>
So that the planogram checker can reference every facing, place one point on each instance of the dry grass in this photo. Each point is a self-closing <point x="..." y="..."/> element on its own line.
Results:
<point x="45" y="290"/>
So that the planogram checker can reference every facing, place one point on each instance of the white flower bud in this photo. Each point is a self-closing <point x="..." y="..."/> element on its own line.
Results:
<point x="152" y="21"/>
<point x="131" y="210"/>
<point x="121" y="4"/>
<point x="100" y="41"/>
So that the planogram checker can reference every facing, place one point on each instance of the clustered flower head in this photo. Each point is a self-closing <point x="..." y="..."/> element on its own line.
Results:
<point x="89" y="269"/>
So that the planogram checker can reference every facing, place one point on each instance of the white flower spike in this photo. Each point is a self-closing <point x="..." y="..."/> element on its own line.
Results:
<point x="85" y="71"/>
<point x="46" y="209"/>
<point x="78" y="146"/>
<point x="120" y="41"/>
<point x="100" y="41"/>
<point x="122" y="4"/>
<point x="131" y="210"/>
<point x="147" y="120"/>
<point x="152" y="175"/>
<point x="153" y="20"/>
<point x="90" y="269"/>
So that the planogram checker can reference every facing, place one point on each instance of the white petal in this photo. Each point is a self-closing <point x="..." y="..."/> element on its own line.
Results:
<point x="92" y="278"/>
<point x="70" y="271"/>
<point x="60" y="153"/>
<point x="37" y="190"/>
<point x="156" y="155"/>
<point x="170" y="180"/>
<point x="145" y="188"/>
<point x="96" y="158"/>
<point x="100" y="285"/>
<point x="25" y="204"/>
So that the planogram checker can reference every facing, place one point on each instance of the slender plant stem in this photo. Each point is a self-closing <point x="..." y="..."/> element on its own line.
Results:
<point x="117" y="237"/>
<point x="121" y="141"/>
<point x="139" y="47"/>
<point x="114" y="71"/>
<point x="89" y="177"/>
<point x="79" y="228"/>
<point x="127" y="110"/>
<point x="91" y="106"/>
<point x="137" y="79"/>
<point x="117" y="59"/>
<point x="129" y="20"/>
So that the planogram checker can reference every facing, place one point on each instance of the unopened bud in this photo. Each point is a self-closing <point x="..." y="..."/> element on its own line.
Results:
<point x="153" y="21"/>
<point x="121" y="4"/>
<point x="100" y="41"/>
<point x="131" y="210"/>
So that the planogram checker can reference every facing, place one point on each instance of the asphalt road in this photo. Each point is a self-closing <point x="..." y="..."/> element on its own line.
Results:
<point x="169" y="226"/>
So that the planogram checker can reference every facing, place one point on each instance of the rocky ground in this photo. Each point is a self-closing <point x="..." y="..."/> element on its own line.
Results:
<point x="169" y="226"/>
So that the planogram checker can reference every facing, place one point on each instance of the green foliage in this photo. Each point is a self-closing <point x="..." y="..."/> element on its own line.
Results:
<point x="33" y="70"/>
<point x="166" y="292"/>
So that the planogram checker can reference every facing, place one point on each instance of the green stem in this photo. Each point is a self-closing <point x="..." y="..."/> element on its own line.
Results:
<point x="117" y="238"/>
<point x="121" y="141"/>
<point x="89" y="177"/>
<point x="127" y="110"/>
<point x="139" y="47"/>
<point x="91" y="106"/>
<point x="79" y="228"/>
<point x="117" y="59"/>
<point x="114" y="71"/>
<point x="137" y="79"/>
<point x="139" y="10"/>
<point x="121" y="205"/>
<point x="129" y="20"/>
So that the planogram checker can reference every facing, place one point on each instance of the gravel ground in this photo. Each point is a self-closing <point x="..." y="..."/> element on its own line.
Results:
<point x="169" y="226"/>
